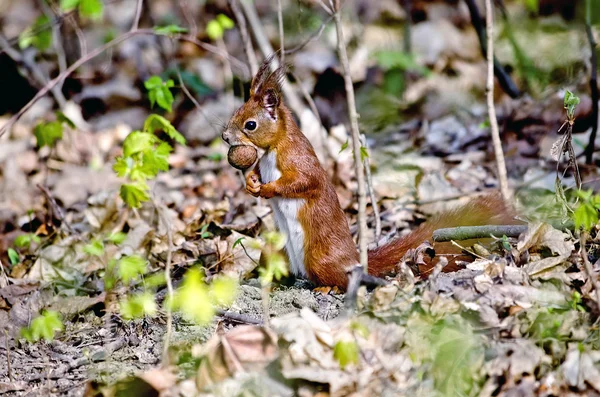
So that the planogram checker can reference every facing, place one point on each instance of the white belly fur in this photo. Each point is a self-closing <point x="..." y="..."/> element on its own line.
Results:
<point x="285" y="211"/>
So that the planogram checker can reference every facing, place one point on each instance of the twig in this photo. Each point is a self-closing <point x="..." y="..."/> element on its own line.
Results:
<point x="194" y="101"/>
<point x="163" y="216"/>
<point x="249" y="50"/>
<point x="189" y="18"/>
<point x="138" y="15"/>
<point x="281" y="37"/>
<point x="588" y="267"/>
<point x="8" y="367"/>
<point x="472" y="232"/>
<point x="589" y="150"/>
<point x="374" y="204"/>
<point x="54" y="205"/>
<point x="358" y="165"/>
<point x="502" y="178"/>
<point x="504" y="79"/>
<point x="214" y="49"/>
<point x="239" y="317"/>
<point x="311" y="103"/>
<point x="227" y="73"/>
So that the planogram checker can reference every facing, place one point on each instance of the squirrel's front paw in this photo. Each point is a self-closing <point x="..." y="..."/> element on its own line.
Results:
<point x="253" y="184"/>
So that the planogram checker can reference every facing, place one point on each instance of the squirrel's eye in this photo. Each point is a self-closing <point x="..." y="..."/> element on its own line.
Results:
<point x="250" y="125"/>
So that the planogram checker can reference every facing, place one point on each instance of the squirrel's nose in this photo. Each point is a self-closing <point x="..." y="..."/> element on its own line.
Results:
<point x="226" y="136"/>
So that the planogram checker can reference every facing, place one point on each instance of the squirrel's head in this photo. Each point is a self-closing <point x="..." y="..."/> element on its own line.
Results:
<point x="258" y="121"/>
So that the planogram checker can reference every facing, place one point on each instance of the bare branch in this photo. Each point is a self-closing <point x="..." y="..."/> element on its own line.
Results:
<point x="358" y="164"/>
<point x="502" y="177"/>
<point x="248" y="48"/>
<point x="138" y="15"/>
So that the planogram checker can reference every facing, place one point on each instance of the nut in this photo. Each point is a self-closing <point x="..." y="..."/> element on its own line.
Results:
<point x="242" y="156"/>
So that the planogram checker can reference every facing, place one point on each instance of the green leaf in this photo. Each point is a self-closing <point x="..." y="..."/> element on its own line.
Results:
<point x="344" y="146"/>
<point x="214" y="30"/>
<point x="117" y="238"/>
<point x="346" y="353"/>
<point x="131" y="267"/>
<point x="60" y="116"/>
<point x="43" y="327"/>
<point x="532" y="5"/>
<point x="121" y="166"/>
<point x="169" y="30"/>
<point x="192" y="298"/>
<point x="364" y="154"/>
<point x="137" y="142"/>
<point x="153" y="82"/>
<point x="48" y="133"/>
<point x="400" y="60"/>
<point x="138" y="306"/>
<point x="226" y="22"/>
<point x="158" y="92"/>
<point x="68" y="5"/>
<point x="238" y="242"/>
<point x="155" y="122"/>
<point x="134" y="194"/>
<point x="42" y="39"/>
<point x="570" y="102"/>
<point x="25" y="240"/>
<point x="13" y="256"/>
<point x="94" y="248"/>
<point x="585" y="216"/>
<point x="91" y="8"/>
<point x="223" y="290"/>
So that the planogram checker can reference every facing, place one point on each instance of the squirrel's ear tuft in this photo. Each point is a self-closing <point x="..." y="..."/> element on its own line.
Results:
<point x="266" y="80"/>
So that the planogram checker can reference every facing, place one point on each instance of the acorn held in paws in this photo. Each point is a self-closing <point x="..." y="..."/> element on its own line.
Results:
<point x="242" y="156"/>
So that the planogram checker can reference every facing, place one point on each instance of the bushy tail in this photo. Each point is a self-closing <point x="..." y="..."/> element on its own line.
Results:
<point x="485" y="210"/>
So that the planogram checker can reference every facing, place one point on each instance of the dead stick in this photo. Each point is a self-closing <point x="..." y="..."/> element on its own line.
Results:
<point x="589" y="150"/>
<point x="471" y="232"/>
<point x="55" y="207"/>
<point x="372" y="192"/>
<point x="502" y="177"/>
<point x="248" y="48"/>
<point x="358" y="164"/>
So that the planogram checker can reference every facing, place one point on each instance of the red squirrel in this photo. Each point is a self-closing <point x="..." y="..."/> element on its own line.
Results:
<point x="305" y="205"/>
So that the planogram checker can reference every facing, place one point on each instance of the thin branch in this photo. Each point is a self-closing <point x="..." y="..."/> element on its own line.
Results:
<point x="214" y="49"/>
<point x="372" y="191"/>
<point x="589" y="150"/>
<point x="281" y="37"/>
<point x="473" y="232"/>
<point x="162" y="214"/>
<point x="248" y="48"/>
<point x="358" y="164"/>
<point x="588" y="267"/>
<point x="138" y="15"/>
<point x="504" y="79"/>
<point x="239" y="317"/>
<point x="55" y="208"/>
<point x="194" y="101"/>
<point x="502" y="177"/>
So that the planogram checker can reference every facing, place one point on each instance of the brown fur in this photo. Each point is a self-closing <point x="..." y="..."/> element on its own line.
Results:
<point x="329" y="249"/>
